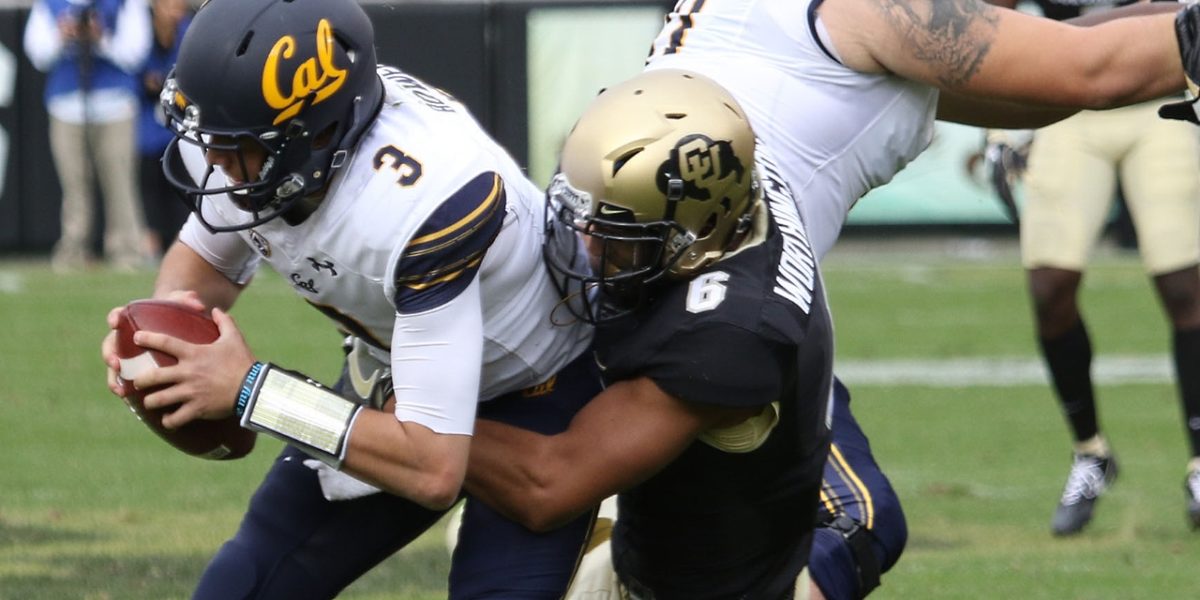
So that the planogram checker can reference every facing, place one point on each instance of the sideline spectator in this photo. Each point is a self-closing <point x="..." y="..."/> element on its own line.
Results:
<point x="90" y="51"/>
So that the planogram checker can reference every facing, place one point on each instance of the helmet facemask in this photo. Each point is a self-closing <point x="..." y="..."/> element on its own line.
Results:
<point x="257" y="184"/>
<point x="619" y="259"/>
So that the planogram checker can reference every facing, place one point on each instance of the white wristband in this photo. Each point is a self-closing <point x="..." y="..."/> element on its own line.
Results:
<point x="301" y="412"/>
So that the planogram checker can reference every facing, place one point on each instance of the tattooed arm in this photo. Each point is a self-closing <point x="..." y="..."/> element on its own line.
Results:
<point x="1006" y="60"/>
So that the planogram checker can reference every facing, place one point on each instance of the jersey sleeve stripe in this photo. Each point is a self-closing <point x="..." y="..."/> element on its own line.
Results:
<point x="462" y="227"/>
<point x="450" y="246"/>
<point x="427" y="283"/>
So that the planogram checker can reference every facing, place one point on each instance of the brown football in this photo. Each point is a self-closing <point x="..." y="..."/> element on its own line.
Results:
<point x="222" y="439"/>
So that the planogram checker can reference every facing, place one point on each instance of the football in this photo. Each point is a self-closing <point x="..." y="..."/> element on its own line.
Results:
<point x="222" y="439"/>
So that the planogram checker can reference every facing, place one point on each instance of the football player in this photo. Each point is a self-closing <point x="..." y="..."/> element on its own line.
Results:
<point x="1073" y="170"/>
<point x="714" y="337"/>
<point x="861" y="530"/>
<point x="846" y="91"/>
<point x="387" y="208"/>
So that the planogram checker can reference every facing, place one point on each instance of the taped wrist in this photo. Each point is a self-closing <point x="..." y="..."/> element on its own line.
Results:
<point x="289" y="406"/>
<point x="858" y="538"/>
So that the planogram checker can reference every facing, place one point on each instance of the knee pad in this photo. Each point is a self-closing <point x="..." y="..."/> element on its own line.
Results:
<point x="843" y="562"/>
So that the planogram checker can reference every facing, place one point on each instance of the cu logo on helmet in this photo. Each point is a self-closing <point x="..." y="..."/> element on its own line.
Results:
<point x="315" y="76"/>
<point x="703" y="162"/>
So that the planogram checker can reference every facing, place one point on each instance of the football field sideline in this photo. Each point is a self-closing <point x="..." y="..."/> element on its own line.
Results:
<point x="998" y="371"/>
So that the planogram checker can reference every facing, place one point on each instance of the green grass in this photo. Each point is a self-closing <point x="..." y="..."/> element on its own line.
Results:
<point x="93" y="506"/>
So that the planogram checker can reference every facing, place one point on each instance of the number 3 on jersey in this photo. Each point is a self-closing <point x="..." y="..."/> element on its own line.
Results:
<point x="706" y="292"/>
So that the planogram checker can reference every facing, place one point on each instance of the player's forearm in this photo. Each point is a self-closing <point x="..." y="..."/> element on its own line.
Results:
<point x="983" y="112"/>
<point x="1141" y="60"/>
<point x="971" y="48"/>
<point x="1038" y="62"/>
<point x="407" y="459"/>
<point x="182" y="269"/>
<point x="517" y="473"/>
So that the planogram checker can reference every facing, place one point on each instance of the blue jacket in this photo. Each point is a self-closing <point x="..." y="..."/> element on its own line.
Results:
<point x="67" y="74"/>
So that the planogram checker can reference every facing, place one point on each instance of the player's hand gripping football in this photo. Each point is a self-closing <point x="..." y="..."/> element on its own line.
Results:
<point x="203" y="384"/>
<point x="108" y="346"/>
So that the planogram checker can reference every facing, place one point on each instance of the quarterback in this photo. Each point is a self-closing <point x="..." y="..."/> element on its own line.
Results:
<point x="714" y="337"/>
<point x="389" y="210"/>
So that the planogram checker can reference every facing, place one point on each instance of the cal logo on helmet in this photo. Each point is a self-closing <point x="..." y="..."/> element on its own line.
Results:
<point x="316" y="76"/>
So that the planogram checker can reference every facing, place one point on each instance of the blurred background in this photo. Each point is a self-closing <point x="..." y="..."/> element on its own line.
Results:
<point x="525" y="68"/>
<point x="935" y="340"/>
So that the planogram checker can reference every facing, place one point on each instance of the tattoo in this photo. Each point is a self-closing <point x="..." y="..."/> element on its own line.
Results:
<point x="951" y="36"/>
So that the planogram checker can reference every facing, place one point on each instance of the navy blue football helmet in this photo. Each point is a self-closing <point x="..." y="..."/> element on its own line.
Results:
<point x="295" y="78"/>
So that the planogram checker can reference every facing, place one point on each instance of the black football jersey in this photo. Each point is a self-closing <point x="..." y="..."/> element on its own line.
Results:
<point x="751" y="330"/>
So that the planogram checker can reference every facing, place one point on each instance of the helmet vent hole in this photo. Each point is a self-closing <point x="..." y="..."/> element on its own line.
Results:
<point x="624" y="158"/>
<point x="708" y="228"/>
<point x="675" y="116"/>
<point x="241" y="49"/>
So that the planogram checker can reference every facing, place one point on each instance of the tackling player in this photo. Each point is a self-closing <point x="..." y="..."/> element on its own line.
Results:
<point x="387" y="208"/>
<point x="714" y="336"/>
<point x="845" y="92"/>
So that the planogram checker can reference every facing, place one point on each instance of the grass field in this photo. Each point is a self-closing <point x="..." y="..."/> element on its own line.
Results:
<point x="93" y="506"/>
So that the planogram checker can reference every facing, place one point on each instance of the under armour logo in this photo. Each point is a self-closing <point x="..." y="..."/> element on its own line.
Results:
<point x="317" y="265"/>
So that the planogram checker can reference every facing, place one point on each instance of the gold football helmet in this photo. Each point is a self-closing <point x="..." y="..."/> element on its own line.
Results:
<point x="658" y="176"/>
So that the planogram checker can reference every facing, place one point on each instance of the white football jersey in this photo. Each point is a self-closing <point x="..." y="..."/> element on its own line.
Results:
<point x="396" y="240"/>
<point x="838" y="133"/>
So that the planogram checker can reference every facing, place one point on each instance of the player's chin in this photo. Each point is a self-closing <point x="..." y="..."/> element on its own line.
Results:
<point x="241" y="202"/>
